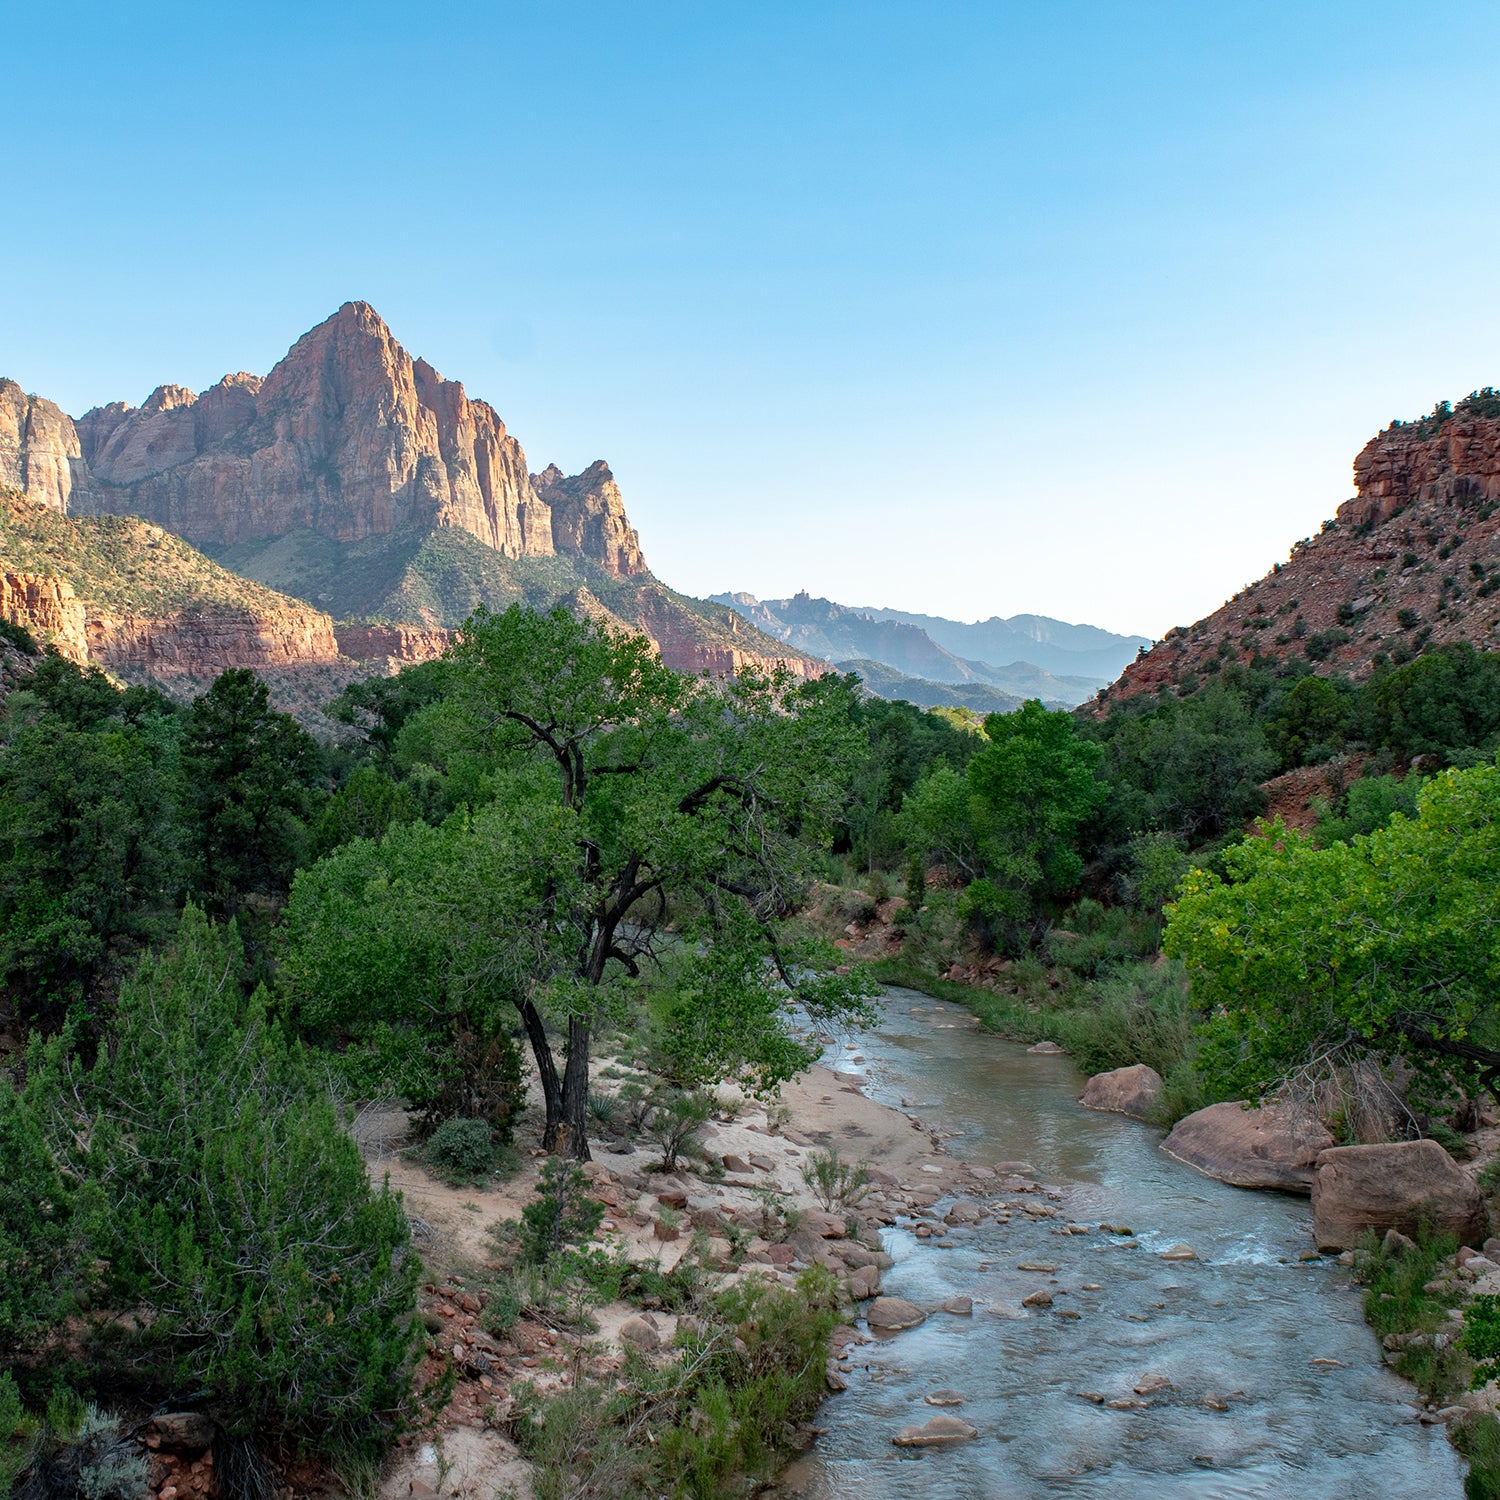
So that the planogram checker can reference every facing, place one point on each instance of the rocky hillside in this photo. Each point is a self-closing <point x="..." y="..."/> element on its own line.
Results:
<point x="357" y="479"/>
<point x="142" y="603"/>
<point x="1412" y="561"/>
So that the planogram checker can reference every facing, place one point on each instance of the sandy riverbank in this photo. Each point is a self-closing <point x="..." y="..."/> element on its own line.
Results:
<point x="652" y="1215"/>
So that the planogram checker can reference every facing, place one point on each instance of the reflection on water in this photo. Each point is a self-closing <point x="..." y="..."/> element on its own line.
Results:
<point x="1311" y="1411"/>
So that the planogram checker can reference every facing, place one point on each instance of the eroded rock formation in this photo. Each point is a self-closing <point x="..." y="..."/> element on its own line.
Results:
<point x="1411" y="562"/>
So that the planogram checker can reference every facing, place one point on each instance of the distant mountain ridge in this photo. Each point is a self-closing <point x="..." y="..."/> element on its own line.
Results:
<point x="1062" y="663"/>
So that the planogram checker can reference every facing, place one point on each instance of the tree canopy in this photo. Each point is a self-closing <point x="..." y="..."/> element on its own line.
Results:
<point x="1308" y="959"/>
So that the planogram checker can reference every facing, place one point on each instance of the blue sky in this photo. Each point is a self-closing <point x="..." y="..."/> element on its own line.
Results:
<point x="972" y="309"/>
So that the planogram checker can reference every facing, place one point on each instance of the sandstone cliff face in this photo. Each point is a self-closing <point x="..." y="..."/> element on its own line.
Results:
<point x="1413" y="561"/>
<point x="49" y="609"/>
<point x="589" y="520"/>
<point x="392" y="646"/>
<point x="40" y="453"/>
<point x="350" y="437"/>
<point x="198" y="644"/>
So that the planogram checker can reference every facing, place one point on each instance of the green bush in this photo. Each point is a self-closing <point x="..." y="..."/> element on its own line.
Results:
<point x="835" y="1183"/>
<point x="1139" y="1014"/>
<point x="35" y="1227"/>
<point x="230" y="1210"/>
<point x="707" y="1425"/>
<point x="561" y="1214"/>
<point x="461" y="1150"/>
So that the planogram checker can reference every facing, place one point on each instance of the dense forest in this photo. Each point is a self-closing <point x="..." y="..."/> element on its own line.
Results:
<point x="219" y="935"/>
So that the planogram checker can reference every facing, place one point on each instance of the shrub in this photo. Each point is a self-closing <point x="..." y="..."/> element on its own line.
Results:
<point x="835" y="1183"/>
<point x="461" y="1150"/>
<point x="1138" y="1015"/>
<point x="233" y="1213"/>
<point x="560" y="1214"/>
<point x="677" y="1126"/>
<point x="86" y="1455"/>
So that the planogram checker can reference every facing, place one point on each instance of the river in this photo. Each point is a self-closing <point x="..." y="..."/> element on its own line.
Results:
<point x="1312" y="1413"/>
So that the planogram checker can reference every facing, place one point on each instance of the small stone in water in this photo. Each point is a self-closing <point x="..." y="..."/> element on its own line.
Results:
<point x="1045" y="1266"/>
<point x="1215" y="1403"/>
<point x="1037" y="1299"/>
<point x="1093" y="1396"/>
<point x="1180" y="1252"/>
<point x="1151" y="1382"/>
<point x="1091" y="1286"/>
<point x="944" y="1398"/>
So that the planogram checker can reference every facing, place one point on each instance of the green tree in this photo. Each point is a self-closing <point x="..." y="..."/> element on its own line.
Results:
<point x="228" y="1208"/>
<point x="616" y="789"/>
<point x="1314" y="721"/>
<point x="1309" y="959"/>
<point x="90" y="863"/>
<point x="1442" y="704"/>
<point x="1191" y="767"/>
<point x="246" y="774"/>
<point x="37" y="1255"/>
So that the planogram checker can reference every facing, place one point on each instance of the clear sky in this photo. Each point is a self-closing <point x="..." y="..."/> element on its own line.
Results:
<point x="975" y="309"/>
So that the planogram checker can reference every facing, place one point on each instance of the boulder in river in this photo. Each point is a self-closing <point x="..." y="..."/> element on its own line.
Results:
<point x="1047" y="1049"/>
<point x="893" y="1313"/>
<point x="1265" y="1146"/>
<point x="1123" y="1091"/>
<point x="1395" y="1186"/>
<point x="938" y="1433"/>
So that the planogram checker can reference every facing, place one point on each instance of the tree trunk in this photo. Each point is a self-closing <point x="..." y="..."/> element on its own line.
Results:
<point x="575" y="1091"/>
<point x="546" y="1072"/>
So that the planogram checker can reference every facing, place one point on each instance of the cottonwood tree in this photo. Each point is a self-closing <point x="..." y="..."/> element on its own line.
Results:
<point x="1313" y="961"/>
<point x="624" y="799"/>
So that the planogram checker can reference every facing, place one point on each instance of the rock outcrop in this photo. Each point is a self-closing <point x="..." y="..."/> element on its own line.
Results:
<point x="1411" y="562"/>
<point x="49" y="609"/>
<point x="396" y="645"/>
<point x="1401" y="1185"/>
<point x="1123" y="1091"/>
<point x="589" y="520"/>
<point x="349" y="437"/>
<point x="1267" y="1146"/>
<point x="40" y="454"/>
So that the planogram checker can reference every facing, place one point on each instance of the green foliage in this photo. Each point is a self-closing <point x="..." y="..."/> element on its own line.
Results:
<point x="1313" y="722"/>
<point x="708" y="1424"/>
<point x="246" y="772"/>
<point x="1478" y="1439"/>
<point x="1442" y="704"/>
<point x="1398" y="1301"/>
<point x="89" y="860"/>
<point x="835" y="1183"/>
<point x="13" y="1433"/>
<point x="678" y="1123"/>
<point x="1139" y="1014"/>
<point x="1190" y="767"/>
<point x="37" y="1253"/>
<point x="1368" y="804"/>
<point x="1310" y="958"/>
<point x="287" y="1307"/>
<point x="80" y="1451"/>
<point x="561" y="1214"/>
<point x="462" y="1150"/>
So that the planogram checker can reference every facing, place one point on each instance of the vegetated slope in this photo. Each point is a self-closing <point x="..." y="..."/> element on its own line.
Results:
<point x="135" y="598"/>
<point x="1412" y="562"/>
<point x="910" y="644"/>
<point x="886" y="682"/>
<point x="357" y="478"/>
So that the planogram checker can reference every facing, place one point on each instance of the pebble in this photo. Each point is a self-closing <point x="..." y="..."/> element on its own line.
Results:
<point x="1180" y="1252"/>
<point x="944" y="1398"/>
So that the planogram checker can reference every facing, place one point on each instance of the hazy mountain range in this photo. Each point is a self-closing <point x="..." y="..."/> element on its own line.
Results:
<point x="1026" y="656"/>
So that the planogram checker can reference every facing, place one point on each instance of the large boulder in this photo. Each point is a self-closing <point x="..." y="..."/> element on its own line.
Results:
<point x="892" y="1313"/>
<point x="1402" y="1186"/>
<point x="1123" y="1091"/>
<point x="1268" y="1146"/>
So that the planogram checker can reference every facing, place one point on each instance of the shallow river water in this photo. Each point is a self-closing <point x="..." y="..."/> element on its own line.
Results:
<point x="1246" y="1321"/>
